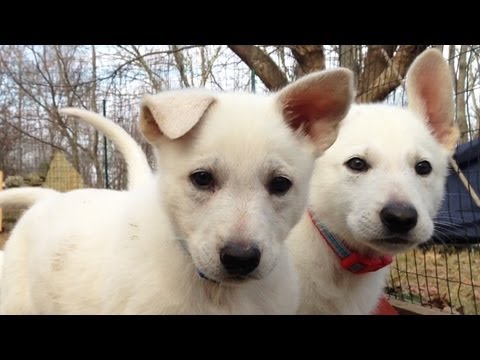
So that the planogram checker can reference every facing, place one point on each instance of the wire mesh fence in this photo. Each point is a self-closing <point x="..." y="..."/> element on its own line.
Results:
<point x="445" y="272"/>
<point x="39" y="147"/>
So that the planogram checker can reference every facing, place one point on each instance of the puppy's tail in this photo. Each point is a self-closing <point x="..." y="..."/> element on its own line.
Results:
<point x="137" y="165"/>
<point x="23" y="197"/>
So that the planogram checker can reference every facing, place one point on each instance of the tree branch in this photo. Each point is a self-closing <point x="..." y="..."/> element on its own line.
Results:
<point x="265" y="68"/>
<point x="309" y="58"/>
<point x="390" y="78"/>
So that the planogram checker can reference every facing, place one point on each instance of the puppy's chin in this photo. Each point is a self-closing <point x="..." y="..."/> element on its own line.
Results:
<point x="237" y="280"/>
<point x="228" y="280"/>
<point x="392" y="245"/>
<point x="384" y="243"/>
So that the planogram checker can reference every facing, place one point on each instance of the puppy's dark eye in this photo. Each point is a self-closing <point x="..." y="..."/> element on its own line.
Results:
<point x="357" y="164"/>
<point x="202" y="180"/>
<point x="423" y="168"/>
<point x="279" y="186"/>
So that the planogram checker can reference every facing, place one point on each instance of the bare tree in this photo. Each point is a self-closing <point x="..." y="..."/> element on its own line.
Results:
<point x="263" y="65"/>
<point x="36" y="80"/>
<point x="46" y="78"/>
<point x="348" y="57"/>
<point x="309" y="58"/>
<point x="473" y="79"/>
<point x="384" y="66"/>
<point x="460" y="94"/>
<point x="94" y="108"/>
<point x="179" y="61"/>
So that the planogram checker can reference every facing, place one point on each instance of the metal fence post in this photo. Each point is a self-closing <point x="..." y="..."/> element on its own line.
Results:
<point x="105" y="157"/>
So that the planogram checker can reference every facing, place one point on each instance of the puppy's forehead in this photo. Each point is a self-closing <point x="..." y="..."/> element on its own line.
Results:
<point x="387" y="128"/>
<point x="245" y="122"/>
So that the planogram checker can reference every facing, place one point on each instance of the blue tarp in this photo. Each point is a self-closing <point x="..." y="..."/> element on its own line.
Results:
<point x="459" y="218"/>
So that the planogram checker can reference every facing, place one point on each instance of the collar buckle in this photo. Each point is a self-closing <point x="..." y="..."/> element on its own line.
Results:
<point x="359" y="264"/>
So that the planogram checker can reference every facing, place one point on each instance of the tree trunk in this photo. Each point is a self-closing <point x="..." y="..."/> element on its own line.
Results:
<point x="376" y="90"/>
<point x="375" y="62"/>
<point x="19" y="118"/>
<point x="460" y="94"/>
<point x="62" y="68"/>
<point x="348" y="58"/>
<point x="451" y="63"/>
<point x="93" y="103"/>
<point x="265" y="68"/>
<point x="472" y="80"/>
<point x="309" y="58"/>
<point x="207" y="63"/>
<point x="203" y="65"/>
<point x="180" y="64"/>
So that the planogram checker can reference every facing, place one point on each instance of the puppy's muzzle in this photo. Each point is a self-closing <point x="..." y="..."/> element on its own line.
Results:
<point x="399" y="218"/>
<point x="240" y="259"/>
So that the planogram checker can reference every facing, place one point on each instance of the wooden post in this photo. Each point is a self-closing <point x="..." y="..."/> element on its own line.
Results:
<point x="1" y="188"/>
<point x="470" y="189"/>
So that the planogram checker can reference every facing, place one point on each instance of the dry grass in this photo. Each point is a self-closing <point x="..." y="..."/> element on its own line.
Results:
<point x="440" y="277"/>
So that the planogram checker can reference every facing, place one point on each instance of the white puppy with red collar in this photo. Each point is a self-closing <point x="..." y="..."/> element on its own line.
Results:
<point x="375" y="193"/>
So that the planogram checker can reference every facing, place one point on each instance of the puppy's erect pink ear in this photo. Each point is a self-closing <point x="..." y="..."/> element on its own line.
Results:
<point x="317" y="102"/>
<point x="429" y="87"/>
<point x="172" y="113"/>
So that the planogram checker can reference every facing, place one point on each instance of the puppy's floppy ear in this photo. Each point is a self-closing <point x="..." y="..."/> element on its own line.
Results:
<point x="429" y="87"/>
<point x="317" y="102"/>
<point x="172" y="113"/>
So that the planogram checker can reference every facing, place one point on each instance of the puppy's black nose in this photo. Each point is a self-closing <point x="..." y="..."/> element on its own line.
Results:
<point x="240" y="259"/>
<point x="399" y="217"/>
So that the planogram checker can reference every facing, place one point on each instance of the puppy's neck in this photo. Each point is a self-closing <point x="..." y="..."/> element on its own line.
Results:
<point x="339" y="230"/>
<point x="355" y="261"/>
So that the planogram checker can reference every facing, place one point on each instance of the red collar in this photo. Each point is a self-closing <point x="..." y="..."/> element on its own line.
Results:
<point x="350" y="260"/>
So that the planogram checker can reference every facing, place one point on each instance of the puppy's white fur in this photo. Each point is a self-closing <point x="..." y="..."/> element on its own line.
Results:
<point x="24" y="197"/>
<point x="100" y="251"/>
<point x="392" y="141"/>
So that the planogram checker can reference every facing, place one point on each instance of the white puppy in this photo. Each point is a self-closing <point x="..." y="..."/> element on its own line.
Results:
<point x="206" y="234"/>
<point x="375" y="193"/>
